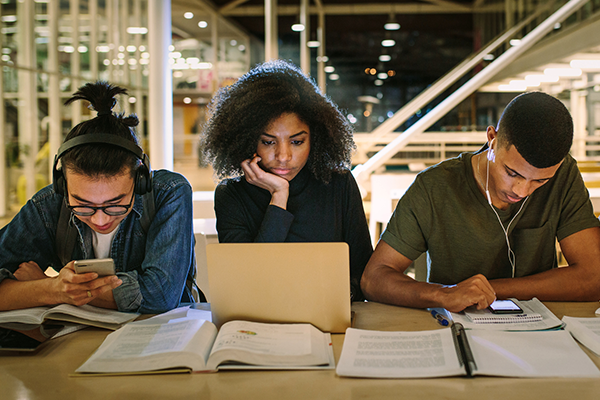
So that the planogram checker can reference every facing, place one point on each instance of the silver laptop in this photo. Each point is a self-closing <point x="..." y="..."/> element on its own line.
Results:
<point x="280" y="283"/>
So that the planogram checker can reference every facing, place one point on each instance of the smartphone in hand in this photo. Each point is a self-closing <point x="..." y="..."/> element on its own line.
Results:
<point x="505" y="307"/>
<point x="101" y="266"/>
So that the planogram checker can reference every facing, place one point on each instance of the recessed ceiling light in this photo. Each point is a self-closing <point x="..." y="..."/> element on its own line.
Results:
<point x="515" y="42"/>
<point x="385" y="58"/>
<point x="388" y="42"/>
<point x="188" y="15"/>
<point x="585" y="64"/>
<point x="563" y="71"/>
<point x="391" y="26"/>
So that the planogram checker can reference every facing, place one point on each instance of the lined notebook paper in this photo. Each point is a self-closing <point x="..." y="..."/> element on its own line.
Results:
<point x="487" y="317"/>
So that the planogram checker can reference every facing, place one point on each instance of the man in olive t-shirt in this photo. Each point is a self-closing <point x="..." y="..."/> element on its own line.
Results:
<point x="490" y="220"/>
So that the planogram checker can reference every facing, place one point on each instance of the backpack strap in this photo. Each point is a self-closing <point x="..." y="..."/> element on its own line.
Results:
<point x="66" y="235"/>
<point x="149" y="210"/>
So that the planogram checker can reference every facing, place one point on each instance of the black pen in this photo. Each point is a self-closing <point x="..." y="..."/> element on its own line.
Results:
<point x="464" y="350"/>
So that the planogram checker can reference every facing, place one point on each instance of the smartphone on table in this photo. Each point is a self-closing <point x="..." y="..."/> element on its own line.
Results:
<point x="505" y="307"/>
<point x="101" y="266"/>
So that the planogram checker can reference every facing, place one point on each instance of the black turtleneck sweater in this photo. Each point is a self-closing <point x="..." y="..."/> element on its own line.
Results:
<point x="316" y="212"/>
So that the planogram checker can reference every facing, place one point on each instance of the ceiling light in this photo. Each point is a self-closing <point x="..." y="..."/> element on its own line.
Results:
<point x="188" y="15"/>
<point x="385" y="58"/>
<point x="137" y="30"/>
<point x="391" y="72"/>
<point x="539" y="78"/>
<point x="202" y="24"/>
<point x="329" y="69"/>
<point x="489" y="57"/>
<point x="511" y="88"/>
<point x="313" y="43"/>
<point x="388" y="42"/>
<point x="378" y="82"/>
<point x="563" y="71"/>
<point x="334" y="77"/>
<point x="515" y="42"/>
<point x="187" y="100"/>
<point x="391" y="24"/>
<point x="382" y="75"/>
<point x="297" y="27"/>
<point x="585" y="64"/>
<point x="322" y="59"/>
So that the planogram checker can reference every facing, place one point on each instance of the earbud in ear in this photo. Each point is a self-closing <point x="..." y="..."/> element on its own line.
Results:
<point x="491" y="155"/>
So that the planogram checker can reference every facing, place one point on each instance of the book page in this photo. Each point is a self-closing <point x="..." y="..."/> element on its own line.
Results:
<point x="34" y="315"/>
<point x="379" y="354"/>
<point x="145" y="347"/>
<point x="279" y="339"/>
<point x="586" y="331"/>
<point x="91" y="313"/>
<point x="529" y="354"/>
<point x="270" y="345"/>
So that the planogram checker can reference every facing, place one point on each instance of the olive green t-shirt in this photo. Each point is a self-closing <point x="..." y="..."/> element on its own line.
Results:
<point x="444" y="213"/>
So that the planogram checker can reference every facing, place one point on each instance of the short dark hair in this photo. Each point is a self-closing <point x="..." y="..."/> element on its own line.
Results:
<point x="240" y="113"/>
<point x="539" y="126"/>
<point x="100" y="159"/>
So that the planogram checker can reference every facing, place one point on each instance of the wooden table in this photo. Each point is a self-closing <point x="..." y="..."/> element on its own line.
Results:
<point x="45" y="375"/>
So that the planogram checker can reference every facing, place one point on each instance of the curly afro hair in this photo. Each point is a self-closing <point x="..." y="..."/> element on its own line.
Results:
<point x="240" y="113"/>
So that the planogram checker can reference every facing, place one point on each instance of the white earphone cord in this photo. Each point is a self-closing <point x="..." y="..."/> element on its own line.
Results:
<point x="511" y="254"/>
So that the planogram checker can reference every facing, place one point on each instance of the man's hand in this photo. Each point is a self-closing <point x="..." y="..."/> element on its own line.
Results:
<point x="475" y="291"/>
<point x="29" y="271"/>
<point x="78" y="289"/>
<point x="276" y="185"/>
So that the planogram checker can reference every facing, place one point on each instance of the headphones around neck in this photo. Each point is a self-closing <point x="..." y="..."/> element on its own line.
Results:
<point x="143" y="174"/>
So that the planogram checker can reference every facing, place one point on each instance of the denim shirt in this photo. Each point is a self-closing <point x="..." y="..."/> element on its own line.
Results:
<point x="153" y="266"/>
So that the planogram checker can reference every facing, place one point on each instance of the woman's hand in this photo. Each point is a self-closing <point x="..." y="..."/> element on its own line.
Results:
<point x="276" y="185"/>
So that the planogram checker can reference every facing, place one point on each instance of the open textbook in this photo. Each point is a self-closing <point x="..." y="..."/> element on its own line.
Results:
<point x="535" y="316"/>
<point x="86" y="315"/>
<point x="585" y="330"/>
<point x="455" y="351"/>
<point x="192" y="344"/>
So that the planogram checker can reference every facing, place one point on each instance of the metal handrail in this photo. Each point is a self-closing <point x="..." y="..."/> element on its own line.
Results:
<point x="362" y="172"/>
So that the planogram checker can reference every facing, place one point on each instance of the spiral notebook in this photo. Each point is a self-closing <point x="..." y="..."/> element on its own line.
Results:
<point x="487" y="317"/>
<point x="535" y="316"/>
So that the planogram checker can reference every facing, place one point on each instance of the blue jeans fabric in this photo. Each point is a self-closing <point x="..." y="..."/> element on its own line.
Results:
<point x="153" y="266"/>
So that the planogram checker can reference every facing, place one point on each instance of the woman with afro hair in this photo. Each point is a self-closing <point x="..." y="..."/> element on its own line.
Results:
<point x="283" y="150"/>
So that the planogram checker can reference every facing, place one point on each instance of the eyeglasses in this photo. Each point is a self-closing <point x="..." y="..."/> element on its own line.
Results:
<point x="113" y="210"/>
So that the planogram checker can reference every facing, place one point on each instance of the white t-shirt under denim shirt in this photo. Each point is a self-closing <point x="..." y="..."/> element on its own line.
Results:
<point x="102" y="243"/>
